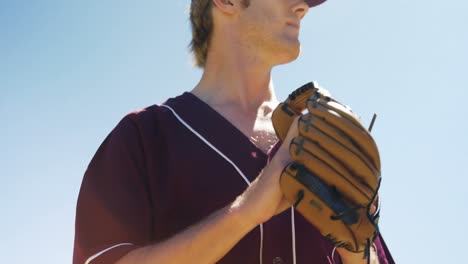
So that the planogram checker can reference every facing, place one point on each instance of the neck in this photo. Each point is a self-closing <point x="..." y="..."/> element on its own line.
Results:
<point x="243" y="91"/>
<point x="234" y="75"/>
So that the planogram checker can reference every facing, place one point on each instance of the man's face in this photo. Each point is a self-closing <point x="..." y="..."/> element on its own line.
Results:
<point x="271" y="27"/>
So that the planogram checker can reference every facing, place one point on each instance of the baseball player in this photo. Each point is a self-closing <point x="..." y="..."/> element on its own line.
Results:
<point x="197" y="179"/>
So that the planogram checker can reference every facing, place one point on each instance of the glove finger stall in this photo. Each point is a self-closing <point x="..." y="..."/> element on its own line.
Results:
<point x="286" y="112"/>
<point x="347" y="154"/>
<point x="329" y="170"/>
<point x="319" y="204"/>
<point x="359" y="137"/>
<point x="329" y="102"/>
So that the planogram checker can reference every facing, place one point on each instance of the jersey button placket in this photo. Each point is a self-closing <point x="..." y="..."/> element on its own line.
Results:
<point x="278" y="260"/>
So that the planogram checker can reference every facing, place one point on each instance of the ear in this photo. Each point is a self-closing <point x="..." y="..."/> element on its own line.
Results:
<point x="229" y="7"/>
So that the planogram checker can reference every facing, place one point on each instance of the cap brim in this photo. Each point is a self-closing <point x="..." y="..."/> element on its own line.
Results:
<point x="313" y="3"/>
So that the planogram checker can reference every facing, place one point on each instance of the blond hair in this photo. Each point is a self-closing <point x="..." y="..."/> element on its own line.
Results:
<point x="201" y="20"/>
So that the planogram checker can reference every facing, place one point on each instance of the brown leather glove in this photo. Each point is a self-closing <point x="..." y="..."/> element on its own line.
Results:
<point x="335" y="175"/>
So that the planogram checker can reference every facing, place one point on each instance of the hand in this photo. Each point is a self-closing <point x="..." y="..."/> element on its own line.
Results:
<point x="264" y="198"/>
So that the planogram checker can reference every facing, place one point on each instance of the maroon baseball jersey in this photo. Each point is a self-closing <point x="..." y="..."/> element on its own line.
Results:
<point x="152" y="177"/>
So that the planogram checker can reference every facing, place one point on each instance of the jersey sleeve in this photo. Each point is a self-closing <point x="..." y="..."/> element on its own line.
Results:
<point x="113" y="214"/>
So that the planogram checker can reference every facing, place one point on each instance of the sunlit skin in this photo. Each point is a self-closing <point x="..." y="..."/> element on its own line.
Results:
<point x="270" y="29"/>
<point x="246" y="43"/>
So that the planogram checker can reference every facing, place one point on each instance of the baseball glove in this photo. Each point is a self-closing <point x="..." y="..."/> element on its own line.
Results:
<point x="334" y="178"/>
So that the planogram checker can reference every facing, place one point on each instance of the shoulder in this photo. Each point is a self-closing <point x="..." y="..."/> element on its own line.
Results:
<point x="154" y="123"/>
<point x="142" y="117"/>
<point x="151" y="123"/>
<point x="135" y="138"/>
<point x="153" y="115"/>
<point x="142" y="121"/>
<point x="142" y="132"/>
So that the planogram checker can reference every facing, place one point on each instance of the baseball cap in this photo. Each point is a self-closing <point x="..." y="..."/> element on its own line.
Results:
<point x="313" y="3"/>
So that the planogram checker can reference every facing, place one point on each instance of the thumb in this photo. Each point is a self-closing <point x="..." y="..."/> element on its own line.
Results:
<point x="283" y="153"/>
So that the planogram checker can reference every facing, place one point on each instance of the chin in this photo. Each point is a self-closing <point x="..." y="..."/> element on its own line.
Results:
<point x="290" y="54"/>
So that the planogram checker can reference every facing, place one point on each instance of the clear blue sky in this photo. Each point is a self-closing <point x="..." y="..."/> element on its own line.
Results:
<point x="70" y="70"/>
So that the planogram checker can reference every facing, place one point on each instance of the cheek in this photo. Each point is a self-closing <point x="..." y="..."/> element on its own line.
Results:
<point x="259" y="27"/>
<point x="266" y="16"/>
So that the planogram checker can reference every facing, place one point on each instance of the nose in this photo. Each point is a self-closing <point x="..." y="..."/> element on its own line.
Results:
<point x="301" y="9"/>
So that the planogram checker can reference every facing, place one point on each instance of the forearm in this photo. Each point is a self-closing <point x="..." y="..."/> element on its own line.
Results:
<point x="209" y="240"/>
<point x="225" y="227"/>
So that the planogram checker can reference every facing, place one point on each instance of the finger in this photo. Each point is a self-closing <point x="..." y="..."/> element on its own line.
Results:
<point x="282" y="156"/>
<point x="358" y="135"/>
<point x="332" y="172"/>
